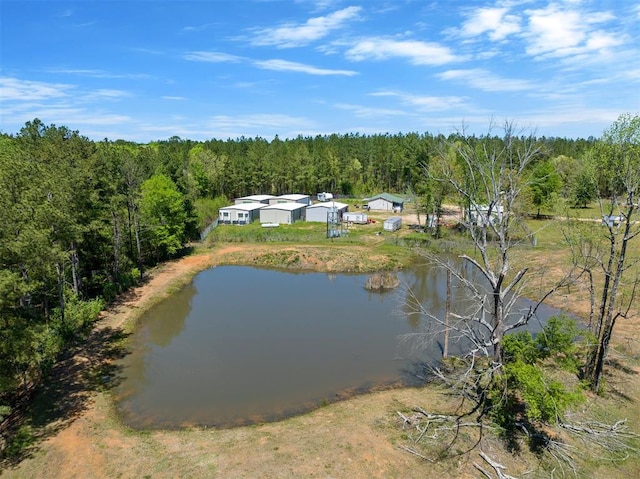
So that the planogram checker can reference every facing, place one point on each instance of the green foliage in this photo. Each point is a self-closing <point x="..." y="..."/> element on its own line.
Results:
<point x="162" y="207"/>
<point x="558" y="339"/>
<point x="585" y="189"/>
<point x="4" y="411"/>
<point x="545" y="183"/>
<point x="520" y="347"/>
<point x="300" y="232"/>
<point x="20" y="441"/>
<point x="526" y="391"/>
<point x="207" y="209"/>
<point x="78" y="315"/>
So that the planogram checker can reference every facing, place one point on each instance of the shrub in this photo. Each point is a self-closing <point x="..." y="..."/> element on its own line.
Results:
<point x="525" y="392"/>
<point x="520" y="347"/>
<point x="558" y="340"/>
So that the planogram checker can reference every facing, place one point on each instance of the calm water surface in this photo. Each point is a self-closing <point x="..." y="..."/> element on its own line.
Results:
<point x="241" y="345"/>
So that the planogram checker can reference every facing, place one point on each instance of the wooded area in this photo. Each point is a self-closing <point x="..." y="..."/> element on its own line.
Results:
<point x="80" y="220"/>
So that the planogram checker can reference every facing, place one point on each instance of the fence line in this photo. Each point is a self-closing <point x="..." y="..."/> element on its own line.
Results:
<point x="205" y="232"/>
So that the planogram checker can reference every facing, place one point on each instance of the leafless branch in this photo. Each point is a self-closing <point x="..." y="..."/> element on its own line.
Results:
<point x="496" y="466"/>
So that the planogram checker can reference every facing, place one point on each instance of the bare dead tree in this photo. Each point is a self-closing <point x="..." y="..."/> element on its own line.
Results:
<point x="489" y="175"/>
<point x="618" y="170"/>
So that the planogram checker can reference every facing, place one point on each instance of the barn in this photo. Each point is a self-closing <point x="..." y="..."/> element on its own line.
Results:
<point x="385" y="202"/>
<point x="282" y="213"/>
<point x="293" y="198"/>
<point x="319" y="211"/>
<point x="264" y="199"/>
<point x="240" y="214"/>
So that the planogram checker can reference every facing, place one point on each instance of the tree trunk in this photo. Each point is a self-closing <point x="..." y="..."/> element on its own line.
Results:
<point x="75" y="269"/>
<point x="136" y="228"/>
<point x="116" y="247"/>
<point x="130" y="234"/>
<point x="596" y="367"/>
<point x="447" y="311"/>
<point x="498" y="322"/>
<point x="25" y="300"/>
<point x="60" y="274"/>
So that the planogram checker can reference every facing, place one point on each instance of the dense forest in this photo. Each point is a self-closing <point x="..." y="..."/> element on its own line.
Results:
<point x="80" y="220"/>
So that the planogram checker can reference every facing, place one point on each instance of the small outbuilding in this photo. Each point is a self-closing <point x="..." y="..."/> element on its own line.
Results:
<point x="264" y="199"/>
<point x="612" y="220"/>
<point x="393" y="223"/>
<point x="355" y="218"/>
<point x="319" y="212"/>
<point x="484" y="215"/>
<point x="282" y="213"/>
<point x="293" y="198"/>
<point x="240" y="214"/>
<point x="385" y="202"/>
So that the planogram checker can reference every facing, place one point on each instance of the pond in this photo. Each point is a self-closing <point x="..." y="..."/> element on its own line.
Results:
<point x="242" y="345"/>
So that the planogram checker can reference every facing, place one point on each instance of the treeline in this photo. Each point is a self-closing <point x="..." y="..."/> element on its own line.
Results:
<point x="80" y="221"/>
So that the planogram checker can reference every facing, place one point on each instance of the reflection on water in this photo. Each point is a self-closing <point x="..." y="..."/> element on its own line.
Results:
<point x="241" y="345"/>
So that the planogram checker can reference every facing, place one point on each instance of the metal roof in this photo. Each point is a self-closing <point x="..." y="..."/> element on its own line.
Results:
<point x="386" y="196"/>
<point x="285" y="206"/>
<point x="293" y="197"/>
<point x="328" y="204"/>
<point x="256" y="197"/>
<point x="245" y="206"/>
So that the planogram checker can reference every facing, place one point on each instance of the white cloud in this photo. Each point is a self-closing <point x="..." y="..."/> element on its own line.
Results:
<point x="495" y="21"/>
<point x="65" y="114"/>
<point x="369" y="112"/>
<point x="97" y="73"/>
<point x="569" y="115"/>
<point x="198" y="28"/>
<point x="426" y="102"/>
<point x="106" y="94"/>
<point x="284" y="65"/>
<point x="15" y="89"/>
<point x="274" y="64"/>
<point x="558" y="32"/>
<point x="418" y="52"/>
<point x="296" y="35"/>
<point x="173" y="98"/>
<point x="63" y="104"/>
<point x="486" y="81"/>
<point x="213" y="57"/>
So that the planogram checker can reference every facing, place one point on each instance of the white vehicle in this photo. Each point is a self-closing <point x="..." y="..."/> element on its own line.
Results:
<point x="325" y="196"/>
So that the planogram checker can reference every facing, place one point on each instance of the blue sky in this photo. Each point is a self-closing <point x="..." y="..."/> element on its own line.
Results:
<point x="149" y="70"/>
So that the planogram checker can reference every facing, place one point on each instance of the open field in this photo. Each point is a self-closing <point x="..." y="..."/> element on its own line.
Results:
<point x="78" y="435"/>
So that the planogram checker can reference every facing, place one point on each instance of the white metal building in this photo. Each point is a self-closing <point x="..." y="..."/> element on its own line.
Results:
<point x="240" y="214"/>
<point x="282" y="213"/>
<point x="264" y="199"/>
<point x="294" y="198"/>
<point x="319" y="211"/>
<point x="385" y="202"/>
